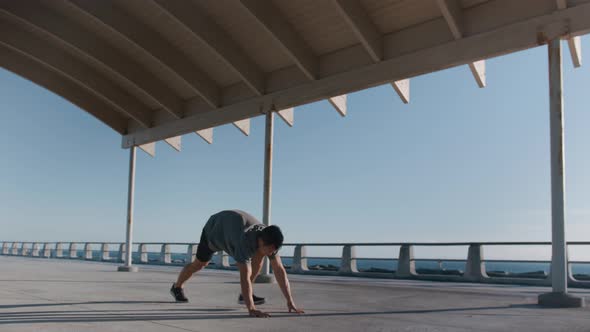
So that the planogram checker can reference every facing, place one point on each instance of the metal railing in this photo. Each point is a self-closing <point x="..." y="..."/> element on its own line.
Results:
<point x="475" y="263"/>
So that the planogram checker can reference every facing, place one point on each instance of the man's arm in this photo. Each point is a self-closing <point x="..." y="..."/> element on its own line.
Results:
<point x="281" y="276"/>
<point x="245" y="274"/>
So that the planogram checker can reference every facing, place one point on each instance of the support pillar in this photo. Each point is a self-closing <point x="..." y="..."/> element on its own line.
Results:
<point x="406" y="266"/>
<point x="299" y="259"/>
<point x="128" y="267"/>
<point x="265" y="276"/>
<point x="348" y="260"/>
<point x="475" y="268"/>
<point x="559" y="296"/>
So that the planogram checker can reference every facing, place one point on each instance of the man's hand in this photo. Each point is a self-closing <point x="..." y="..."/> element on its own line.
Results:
<point x="259" y="314"/>
<point x="293" y="308"/>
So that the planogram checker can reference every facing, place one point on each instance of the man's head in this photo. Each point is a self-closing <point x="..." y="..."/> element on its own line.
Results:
<point x="270" y="240"/>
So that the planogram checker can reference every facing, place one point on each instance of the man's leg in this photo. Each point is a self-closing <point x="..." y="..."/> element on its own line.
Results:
<point x="189" y="270"/>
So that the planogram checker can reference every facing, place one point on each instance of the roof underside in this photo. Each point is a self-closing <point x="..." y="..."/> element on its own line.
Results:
<point x="156" y="69"/>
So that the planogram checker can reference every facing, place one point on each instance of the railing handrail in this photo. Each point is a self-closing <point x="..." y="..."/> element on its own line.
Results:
<point x="333" y="244"/>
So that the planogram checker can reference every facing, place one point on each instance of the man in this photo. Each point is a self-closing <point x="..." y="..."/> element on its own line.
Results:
<point x="248" y="241"/>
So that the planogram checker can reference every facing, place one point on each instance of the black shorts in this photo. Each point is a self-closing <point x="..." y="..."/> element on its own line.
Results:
<point x="204" y="253"/>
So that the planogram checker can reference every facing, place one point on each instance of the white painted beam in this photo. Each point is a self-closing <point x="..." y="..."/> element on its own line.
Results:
<point x="478" y="69"/>
<point x="453" y="14"/>
<point x="174" y="142"/>
<point x="288" y="115"/>
<point x="243" y="126"/>
<point x="524" y="34"/>
<point x="106" y="12"/>
<point x="271" y="19"/>
<point x="370" y="37"/>
<point x="206" y="135"/>
<point x="402" y="88"/>
<point x="339" y="103"/>
<point x="208" y="32"/>
<point x="149" y="148"/>
<point x="574" y="43"/>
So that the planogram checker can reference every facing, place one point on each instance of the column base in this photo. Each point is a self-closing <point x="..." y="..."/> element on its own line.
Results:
<point x="265" y="279"/>
<point x="561" y="300"/>
<point x="127" y="268"/>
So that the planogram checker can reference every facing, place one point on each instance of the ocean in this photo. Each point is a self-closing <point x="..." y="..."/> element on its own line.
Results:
<point x="385" y="265"/>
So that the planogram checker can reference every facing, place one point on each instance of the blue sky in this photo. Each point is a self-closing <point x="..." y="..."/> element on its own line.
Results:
<point x="458" y="163"/>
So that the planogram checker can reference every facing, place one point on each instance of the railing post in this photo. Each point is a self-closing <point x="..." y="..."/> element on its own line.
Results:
<point x="73" y="250"/>
<point x="14" y="249"/>
<point x="46" y="250"/>
<point x="59" y="250"/>
<point x="143" y="254"/>
<point x="165" y="254"/>
<point x="23" y="249"/>
<point x="190" y="253"/>
<point x="299" y="259"/>
<point x="348" y="260"/>
<point x="406" y="266"/>
<point x="4" y="248"/>
<point x="105" y="254"/>
<point x="122" y="253"/>
<point x="35" y="251"/>
<point x="221" y="260"/>
<point x="88" y="251"/>
<point x="475" y="268"/>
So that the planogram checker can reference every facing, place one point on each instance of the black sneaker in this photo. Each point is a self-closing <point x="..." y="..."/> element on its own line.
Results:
<point x="257" y="300"/>
<point x="178" y="294"/>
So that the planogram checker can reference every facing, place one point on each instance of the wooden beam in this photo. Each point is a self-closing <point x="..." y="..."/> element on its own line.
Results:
<point x="275" y="24"/>
<point x="362" y="27"/>
<point x="63" y="30"/>
<point x="20" y="64"/>
<point x="106" y="13"/>
<point x="369" y="36"/>
<point x="453" y="14"/>
<point x="524" y="34"/>
<point x="51" y="56"/>
<point x="209" y="33"/>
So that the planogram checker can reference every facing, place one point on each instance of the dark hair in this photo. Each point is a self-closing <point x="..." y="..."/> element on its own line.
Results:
<point x="272" y="235"/>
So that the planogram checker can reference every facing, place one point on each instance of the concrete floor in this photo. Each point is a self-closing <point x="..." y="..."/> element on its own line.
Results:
<point x="63" y="295"/>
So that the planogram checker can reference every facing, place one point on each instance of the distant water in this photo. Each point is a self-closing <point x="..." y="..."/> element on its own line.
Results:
<point x="381" y="264"/>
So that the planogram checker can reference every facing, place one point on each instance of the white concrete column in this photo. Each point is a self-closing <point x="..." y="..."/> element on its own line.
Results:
<point x="122" y="256"/>
<point x="35" y="250"/>
<point x="559" y="297"/>
<point x="4" y="248"/>
<point x="73" y="250"/>
<point x="299" y="259"/>
<point x="348" y="260"/>
<point x="165" y="254"/>
<point x="128" y="267"/>
<point x="59" y="251"/>
<point x="105" y="254"/>
<point x="190" y="253"/>
<point x="143" y="253"/>
<point x="475" y="268"/>
<point x="406" y="266"/>
<point x="23" y="249"/>
<point x="46" y="250"/>
<point x="221" y="260"/>
<point x="88" y="251"/>
<point x="265" y="276"/>
<point x="14" y="249"/>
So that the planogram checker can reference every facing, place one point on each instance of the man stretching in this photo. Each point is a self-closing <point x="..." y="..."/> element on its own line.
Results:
<point x="248" y="241"/>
